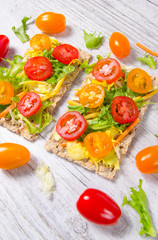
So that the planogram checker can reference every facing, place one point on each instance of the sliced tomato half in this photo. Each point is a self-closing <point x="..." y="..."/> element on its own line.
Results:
<point x="71" y="125"/>
<point x="38" y="68"/>
<point x="124" y="109"/>
<point x="65" y="53"/>
<point x="107" y="69"/>
<point x="29" y="104"/>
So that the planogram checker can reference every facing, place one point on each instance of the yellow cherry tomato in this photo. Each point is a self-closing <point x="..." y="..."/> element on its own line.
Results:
<point x="50" y="22"/>
<point x="13" y="155"/>
<point x="6" y="92"/>
<point x="39" y="42"/>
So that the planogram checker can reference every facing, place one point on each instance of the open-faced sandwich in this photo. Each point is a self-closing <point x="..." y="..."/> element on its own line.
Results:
<point x="102" y="119"/>
<point x="33" y="85"/>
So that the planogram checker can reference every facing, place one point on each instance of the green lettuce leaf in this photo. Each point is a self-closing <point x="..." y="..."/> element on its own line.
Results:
<point x="139" y="203"/>
<point x="42" y="118"/>
<point x="156" y="135"/>
<point x="81" y="109"/>
<point x="60" y="70"/>
<point x="149" y="60"/>
<point x="88" y="67"/>
<point x="91" y="40"/>
<point x="21" y="31"/>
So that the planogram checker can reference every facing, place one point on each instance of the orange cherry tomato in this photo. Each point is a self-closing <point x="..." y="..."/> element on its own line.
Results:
<point x="147" y="160"/>
<point x="98" y="144"/>
<point x="92" y="95"/>
<point x="6" y="92"/>
<point x="39" y="42"/>
<point x="50" y="22"/>
<point x="119" y="45"/>
<point x="13" y="155"/>
<point x="139" y="81"/>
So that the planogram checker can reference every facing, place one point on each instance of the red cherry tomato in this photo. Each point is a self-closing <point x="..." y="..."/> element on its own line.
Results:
<point x="29" y="104"/>
<point x="13" y="155"/>
<point x="107" y="69"/>
<point x="124" y="109"/>
<point x="38" y="68"/>
<point x="147" y="160"/>
<point x="71" y="125"/>
<point x="119" y="45"/>
<point x="50" y="22"/>
<point x="65" y="53"/>
<point x="4" y="46"/>
<point x="97" y="207"/>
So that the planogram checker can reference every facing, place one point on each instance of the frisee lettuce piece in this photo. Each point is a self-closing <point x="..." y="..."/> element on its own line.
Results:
<point x="88" y="67"/>
<point x="91" y="40"/>
<point x="99" y="57"/>
<point x="156" y="135"/>
<point x="149" y="60"/>
<point x="21" y="31"/>
<point x="45" y="177"/>
<point x="81" y="109"/>
<point x="60" y="70"/>
<point x="139" y="203"/>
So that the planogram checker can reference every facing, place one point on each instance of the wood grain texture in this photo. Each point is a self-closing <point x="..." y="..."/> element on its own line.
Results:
<point x="25" y="212"/>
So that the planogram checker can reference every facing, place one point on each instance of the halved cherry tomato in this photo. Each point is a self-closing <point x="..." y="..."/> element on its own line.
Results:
<point x="92" y="95"/>
<point x="147" y="160"/>
<point x="4" y="46"/>
<point x="124" y="109"/>
<point x="50" y="22"/>
<point x="13" y="155"/>
<point x="98" y="144"/>
<point x="39" y="42"/>
<point x="119" y="45"/>
<point x="71" y="125"/>
<point x="97" y="207"/>
<point x="6" y="92"/>
<point x="38" y="68"/>
<point x="29" y="104"/>
<point x="139" y="81"/>
<point x="65" y="53"/>
<point x="107" y="69"/>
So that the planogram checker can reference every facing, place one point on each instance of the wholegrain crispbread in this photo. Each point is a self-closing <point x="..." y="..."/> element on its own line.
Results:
<point x="121" y="149"/>
<point x="19" y="127"/>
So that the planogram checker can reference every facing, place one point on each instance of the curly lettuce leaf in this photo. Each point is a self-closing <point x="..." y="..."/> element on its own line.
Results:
<point x="88" y="67"/>
<point x="139" y="203"/>
<point x="149" y="60"/>
<point x="21" y="31"/>
<point x="60" y="70"/>
<point x="37" y="122"/>
<point x="81" y="109"/>
<point x="91" y="40"/>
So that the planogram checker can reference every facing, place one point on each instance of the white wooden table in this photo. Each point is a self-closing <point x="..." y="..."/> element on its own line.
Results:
<point x="25" y="212"/>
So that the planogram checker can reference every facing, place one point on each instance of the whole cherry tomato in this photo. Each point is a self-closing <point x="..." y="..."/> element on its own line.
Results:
<point x="6" y="92"/>
<point x="119" y="45"/>
<point x="147" y="160"/>
<point x="139" y="81"/>
<point x="107" y="69"/>
<point x="97" y="207"/>
<point x="71" y="125"/>
<point x="65" y="53"/>
<point x="29" y="104"/>
<point x="92" y="95"/>
<point x="124" y="109"/>
<point x="38" y="68"/>
<point x="13" y="155"/>
<point x="4" y="46"/>
<point x="98" y="144"/>
<point x="39" y="42"/>
<point x="50" y="22"/>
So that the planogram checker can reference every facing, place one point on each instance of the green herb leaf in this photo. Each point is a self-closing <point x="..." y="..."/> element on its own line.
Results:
<point x="91" y="40"/>
<point x="149" y="60"/>
<point x="139" y="203"/>
<point x="15" y="99"/>
<point x="156" y="135"/>
<point x="88" y="68"/>
<point x="108" y="55"/>
<point x="99" y="57"/>
<point x="21" y="31"/>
